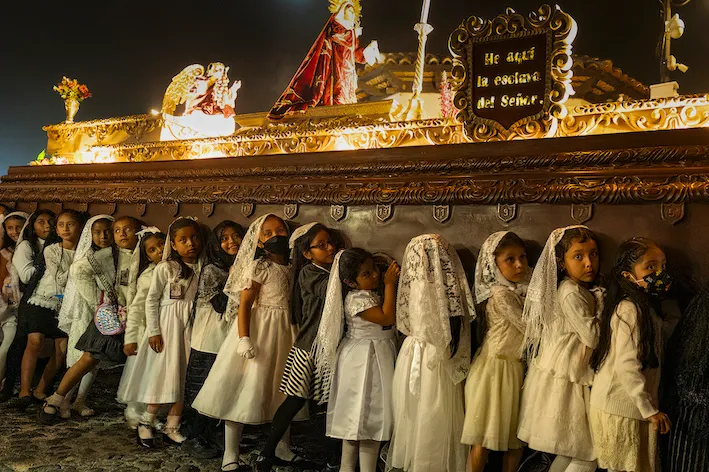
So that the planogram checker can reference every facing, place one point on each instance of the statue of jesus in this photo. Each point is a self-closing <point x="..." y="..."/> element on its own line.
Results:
<point x="328" y="75"/>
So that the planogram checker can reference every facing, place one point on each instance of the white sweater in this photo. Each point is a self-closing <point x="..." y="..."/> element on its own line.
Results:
<point x="621" y="387"/>
<point x="23" y="260"/>
<point x="53" y="282"/>
<point x="135" y="326"/>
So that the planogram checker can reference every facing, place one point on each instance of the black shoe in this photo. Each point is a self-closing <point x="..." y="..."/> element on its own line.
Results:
<point x="201" y="449"/>
<point x="146" y="443"/>
<point x="20" y="403"/>
<point x="263" y="464"/>
<point x="49" y="414"/>
<point x="297" y="462"/>
<point x="5" y="395"/>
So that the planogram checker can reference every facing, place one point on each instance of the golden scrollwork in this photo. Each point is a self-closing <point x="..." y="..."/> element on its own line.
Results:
<point x="550" y="20"/>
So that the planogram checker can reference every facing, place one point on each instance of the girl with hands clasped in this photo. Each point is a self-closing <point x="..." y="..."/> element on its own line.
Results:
<point x="252" y="359"/>
<point x="354" y="375"/>
<point x="160" y="366"/>
<point x="625" y="418"/>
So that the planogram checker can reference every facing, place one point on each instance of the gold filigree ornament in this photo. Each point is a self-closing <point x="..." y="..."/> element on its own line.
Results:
<point x="176" y="92"/>
<point x="560" y="30"/>
<point x="336" y="6"/>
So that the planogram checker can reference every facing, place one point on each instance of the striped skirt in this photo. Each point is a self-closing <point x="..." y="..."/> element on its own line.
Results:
<point x="297" y="380"/>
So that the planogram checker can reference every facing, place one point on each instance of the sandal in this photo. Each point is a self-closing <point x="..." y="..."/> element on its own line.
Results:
<point x="82" y="410"/>
<point x="20" y="403"/>
<point x="50" y="417"/>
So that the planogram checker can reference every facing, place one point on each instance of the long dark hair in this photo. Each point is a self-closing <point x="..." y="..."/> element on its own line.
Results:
<point x="144" y="261"/>
<point x="30" y="235"/>
<point x="302" y="245"/>
<point x="509" y="240"/>
<point x="215" y="253"/>
<point x="7" y="241"/>
<point x="350" y="262"/>
<point x="571" y="236"/>
<point x="619" y="289"/>
<point x="79" y="217"/>
<point x="185" y="271"/>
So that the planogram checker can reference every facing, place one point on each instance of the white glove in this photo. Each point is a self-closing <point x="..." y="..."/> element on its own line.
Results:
<point x="245" y="348"/>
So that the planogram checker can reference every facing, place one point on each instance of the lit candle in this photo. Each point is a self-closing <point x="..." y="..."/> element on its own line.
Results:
<point x="424" y="11"/>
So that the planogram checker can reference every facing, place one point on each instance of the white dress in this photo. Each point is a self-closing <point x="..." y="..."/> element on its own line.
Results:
<point x="210" y="328"/>
<point x="428" y="411"/>
<point x="494" y="386"/>
<point x="247" y="390"/>
<point x="556" y="394"/>
<point x="360" y="406"/>
<point x="135" y="328"/>
<point x="159" y="378"/>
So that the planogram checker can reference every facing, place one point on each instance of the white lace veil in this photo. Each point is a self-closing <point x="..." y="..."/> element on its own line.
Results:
<point x="541" y="306"/>
<point x="72" y="300"/>
<point x="24" y="227"/>
<point x="242" y="271"/>
<point x="330" y="331"/>
<point x="296" y="235"/>
<point x="487" y="274"/>
<point x="21" y="214"/>
<point x="135" y="260"/>
<point x="433" y="289"/>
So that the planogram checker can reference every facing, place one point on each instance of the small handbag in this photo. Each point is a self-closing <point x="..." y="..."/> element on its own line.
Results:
<point x="110" y="318"/>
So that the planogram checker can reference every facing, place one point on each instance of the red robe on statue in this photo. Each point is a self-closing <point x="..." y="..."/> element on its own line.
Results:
<point x="327" y="76"/>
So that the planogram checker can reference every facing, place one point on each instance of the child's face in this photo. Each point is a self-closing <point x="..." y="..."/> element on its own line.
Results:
<point x="187" y="243"/>
<point x="652" y="261"/>
<point x="230" y="241"/>
<point x="154" y="247"/>
<point x="13" y="227"/>
<point x="581" y="262"/>
<point x="125" y="234"/>
<point x="68" y="228"/>
<point x="513" y="264"/>
<point x="322" y="249"/>
<point x="272" y="227"/>
<point x="101" y="234"/>
<point x="42" y="226"/>
<point x="368" y="276"/>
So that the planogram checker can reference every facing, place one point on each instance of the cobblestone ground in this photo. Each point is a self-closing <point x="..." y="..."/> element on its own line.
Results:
<point x="104" y="443"/>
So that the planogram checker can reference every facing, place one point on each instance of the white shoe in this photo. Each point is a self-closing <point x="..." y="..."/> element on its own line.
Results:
<point x="132" y="417"/>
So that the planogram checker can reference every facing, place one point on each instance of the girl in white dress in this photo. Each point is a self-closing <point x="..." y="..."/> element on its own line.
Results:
<point x="434" y="310"/>
<point x="561" y="332"/>
<point x="44" y="303"/>
<point x="251" y="361"/>
<point x="625" y="418"/>
<point x="356" y="377"/>
<point x="494" y="386"/>
<point x="146" y="256"/>
<point x="158" y="376"/>
<point x="9" y="278"/>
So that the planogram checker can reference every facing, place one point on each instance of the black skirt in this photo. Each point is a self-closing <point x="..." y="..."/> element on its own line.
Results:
<point x="101" y="347"/>
<point x="37" y="319"/>
<point x="197" y="371"/>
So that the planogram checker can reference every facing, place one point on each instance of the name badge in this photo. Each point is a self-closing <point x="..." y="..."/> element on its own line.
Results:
<point x="124" y="277"/>
<point x="176" y="291"/>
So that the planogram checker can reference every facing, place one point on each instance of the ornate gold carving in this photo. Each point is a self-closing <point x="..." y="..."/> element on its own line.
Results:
<point x="247" y="209"/>
<point x="672" y="213"/>
<point x="581" y="213"/>
<point x="552" y="20"/>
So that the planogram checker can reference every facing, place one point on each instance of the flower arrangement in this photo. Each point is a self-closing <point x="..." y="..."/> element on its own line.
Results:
<point x="44" y="159"/>
<point x="71" y="89"/>
<point x="447" y="108"/>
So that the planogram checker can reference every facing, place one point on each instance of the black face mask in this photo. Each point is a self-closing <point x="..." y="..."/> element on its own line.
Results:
<point x="658" y="283"/>
<point x="278" y="245"/>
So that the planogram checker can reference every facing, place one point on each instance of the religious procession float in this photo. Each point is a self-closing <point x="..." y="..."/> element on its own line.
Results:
<point x="512" y="130"/>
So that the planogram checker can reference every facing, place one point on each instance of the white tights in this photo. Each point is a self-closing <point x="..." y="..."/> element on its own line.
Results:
<point x="232" y="444"/>
<point x="9" y="328"/>
<point x="366" y="451"/>
<point x="569" y="464"/>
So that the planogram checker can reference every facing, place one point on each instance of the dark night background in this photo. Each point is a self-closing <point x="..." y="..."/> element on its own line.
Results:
<point x="128" y="51"/>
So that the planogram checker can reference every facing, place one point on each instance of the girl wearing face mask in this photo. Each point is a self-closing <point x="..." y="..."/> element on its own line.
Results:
<point x="625" y="418"/>
<point x="243" y="385"/>
<point x="561" y="330"/>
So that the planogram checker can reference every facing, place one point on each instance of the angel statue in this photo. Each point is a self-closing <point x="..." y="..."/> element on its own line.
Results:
<point x="207" y="93"/>
<point x="328" y="75"/>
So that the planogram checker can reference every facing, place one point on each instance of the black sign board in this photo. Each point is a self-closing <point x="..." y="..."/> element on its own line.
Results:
<point x="510" y="78"/>
<point x="513" y="73"/>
